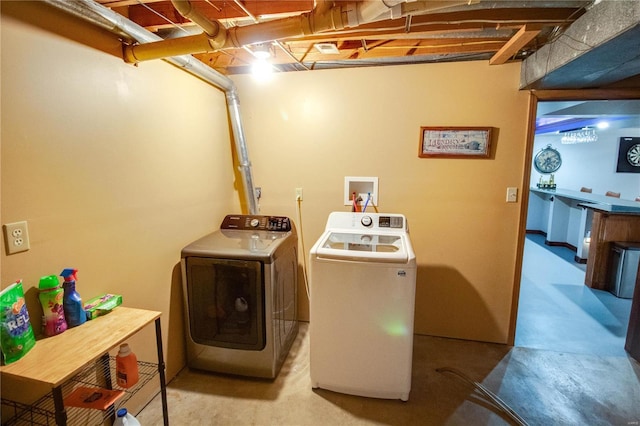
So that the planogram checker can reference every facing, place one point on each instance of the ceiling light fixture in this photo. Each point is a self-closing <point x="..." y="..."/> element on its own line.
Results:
<point x="261" y="51"/>
<point x="262" y="70"/>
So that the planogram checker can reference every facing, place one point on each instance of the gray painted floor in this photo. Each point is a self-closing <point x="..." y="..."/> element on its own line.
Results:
<point x="562" y="384"/>
<point x="558" y="312"/>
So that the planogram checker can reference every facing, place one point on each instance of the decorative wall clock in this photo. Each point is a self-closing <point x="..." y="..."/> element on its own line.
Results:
<point x="547" y="160"/>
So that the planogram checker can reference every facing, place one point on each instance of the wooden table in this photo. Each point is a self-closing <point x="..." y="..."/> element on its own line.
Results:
<point x="54" y="360"/>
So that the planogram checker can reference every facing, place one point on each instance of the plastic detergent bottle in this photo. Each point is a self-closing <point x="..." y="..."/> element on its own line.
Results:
<point x="73" y="308"/>
<point x="51" y="296"/>
<point x="123" y="417"/>
<point x="126" y="367"/>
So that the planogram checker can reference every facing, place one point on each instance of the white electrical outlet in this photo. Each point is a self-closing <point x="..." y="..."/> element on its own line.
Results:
<point x="16" y="237"/>
<point x="298" y="194"/>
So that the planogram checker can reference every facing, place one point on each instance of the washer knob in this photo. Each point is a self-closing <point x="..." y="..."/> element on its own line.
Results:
<point x="254" y="223"/>
<point x="366" y="220"/>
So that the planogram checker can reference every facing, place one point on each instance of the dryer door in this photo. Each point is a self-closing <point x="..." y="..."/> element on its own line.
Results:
<point x="225" y="302"/>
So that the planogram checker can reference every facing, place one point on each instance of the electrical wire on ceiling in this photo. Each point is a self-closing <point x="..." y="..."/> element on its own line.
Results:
<point x="213" y="6"/>
<point x="291" y="55"/>
<point x="164" y="18"/>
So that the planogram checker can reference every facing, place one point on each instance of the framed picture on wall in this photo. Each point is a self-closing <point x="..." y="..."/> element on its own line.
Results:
<point x="629" y="155"/>
<point x="455" y="142"/>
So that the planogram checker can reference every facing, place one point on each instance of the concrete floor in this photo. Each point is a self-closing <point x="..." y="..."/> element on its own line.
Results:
<point x="543" y="387"/>
<point x="562" y="376"/>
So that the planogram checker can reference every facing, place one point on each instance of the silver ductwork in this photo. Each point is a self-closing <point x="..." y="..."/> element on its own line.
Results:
<point x="101" y="16"/>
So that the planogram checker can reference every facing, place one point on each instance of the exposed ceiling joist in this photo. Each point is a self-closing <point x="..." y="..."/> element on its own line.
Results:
<point x="498" y="31"/>
<point x="517" y="42"/>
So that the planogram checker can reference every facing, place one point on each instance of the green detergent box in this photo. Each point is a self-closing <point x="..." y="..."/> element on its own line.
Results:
<point x="102" y="305"/>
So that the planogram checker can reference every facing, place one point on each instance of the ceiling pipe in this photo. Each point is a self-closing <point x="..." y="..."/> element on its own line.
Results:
<point x="211" y="28"/>
<point x="327" y="16"/>
<point x="98" y="15"/>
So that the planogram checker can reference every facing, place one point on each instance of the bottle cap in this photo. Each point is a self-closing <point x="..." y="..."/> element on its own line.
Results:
<point x="48" y="282"/>
<point x="122" y="412"/>
<point x="124" y="349"/>
<point x="69" y="274"/>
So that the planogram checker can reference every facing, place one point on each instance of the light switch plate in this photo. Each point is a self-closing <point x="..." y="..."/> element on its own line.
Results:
<point x="512" y="194"/>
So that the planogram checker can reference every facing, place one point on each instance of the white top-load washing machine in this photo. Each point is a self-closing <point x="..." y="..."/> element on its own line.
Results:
<point x="362" y="286"/>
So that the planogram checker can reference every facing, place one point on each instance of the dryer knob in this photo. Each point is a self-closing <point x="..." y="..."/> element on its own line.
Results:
<point x="366" y="220"/>
<point x="254" y="223"/>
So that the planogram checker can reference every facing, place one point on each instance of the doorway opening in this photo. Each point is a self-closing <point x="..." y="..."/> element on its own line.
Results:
<point x="556" y="309"/>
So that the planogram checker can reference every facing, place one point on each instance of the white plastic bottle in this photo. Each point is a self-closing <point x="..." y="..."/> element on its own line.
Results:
<point x="124" y="418"/>
<point x="126" y="367"/>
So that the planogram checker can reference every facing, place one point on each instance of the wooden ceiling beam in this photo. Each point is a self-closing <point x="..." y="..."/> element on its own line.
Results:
<point x="452" y="21"/>
<point x="214" y="10"/>
<point x="352" y="50"/>
<point x="501" y="32"/>
<point x="517" y="42"/>
<point x="124" y="3"/>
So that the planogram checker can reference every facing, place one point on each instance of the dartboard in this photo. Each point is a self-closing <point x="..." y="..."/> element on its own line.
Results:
<point x="633" y="155"/>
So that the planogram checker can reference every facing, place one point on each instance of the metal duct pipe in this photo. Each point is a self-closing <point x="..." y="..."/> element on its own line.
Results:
<point x="186" y="9"/>
<point x="103" y="17"/>
<point x="324" y="17"/>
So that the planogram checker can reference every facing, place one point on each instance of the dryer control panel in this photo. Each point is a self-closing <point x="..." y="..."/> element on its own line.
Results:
<point x="256" y="223"/>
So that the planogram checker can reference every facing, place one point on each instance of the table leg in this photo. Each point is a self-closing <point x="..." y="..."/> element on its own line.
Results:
<point x="161" y="368"/>
<point x="61" y="413"/>
<point x="104" y="381"/>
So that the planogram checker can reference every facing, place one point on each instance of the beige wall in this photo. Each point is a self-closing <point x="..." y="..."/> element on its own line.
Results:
<point x="311" y="129"/>
<point x="114" y="167"/>
<point x="117" y="167"/>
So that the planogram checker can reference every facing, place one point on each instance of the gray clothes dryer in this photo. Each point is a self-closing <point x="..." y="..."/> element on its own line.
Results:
<point x="240" y="295"/>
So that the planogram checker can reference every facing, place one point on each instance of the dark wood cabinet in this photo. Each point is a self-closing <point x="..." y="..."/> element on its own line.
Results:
<point x="632" y="345"/>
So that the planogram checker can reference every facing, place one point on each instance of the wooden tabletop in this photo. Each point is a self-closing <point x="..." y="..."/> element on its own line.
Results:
<point x="53" y="360"/>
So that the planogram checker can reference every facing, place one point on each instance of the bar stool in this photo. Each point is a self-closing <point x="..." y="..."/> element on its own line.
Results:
<point x="612" y="194"/>
<point x="585" y="189"/>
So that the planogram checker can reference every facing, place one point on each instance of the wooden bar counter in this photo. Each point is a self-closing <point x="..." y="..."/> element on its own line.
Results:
<point x="608" y="227"/>
<point x="566" y="216"/>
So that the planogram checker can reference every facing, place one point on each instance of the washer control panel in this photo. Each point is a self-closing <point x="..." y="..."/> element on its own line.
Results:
<point x="391" y="222"/>
<point x="256" y="223"/>
<point x="384" y="221"/>
<point x="369" y="221"/>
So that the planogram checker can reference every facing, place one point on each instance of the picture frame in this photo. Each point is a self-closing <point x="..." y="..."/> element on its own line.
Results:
<point x="455" y="142"/>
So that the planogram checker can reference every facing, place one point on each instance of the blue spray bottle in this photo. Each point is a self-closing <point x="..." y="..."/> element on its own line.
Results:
<point x="72" y="303"/>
